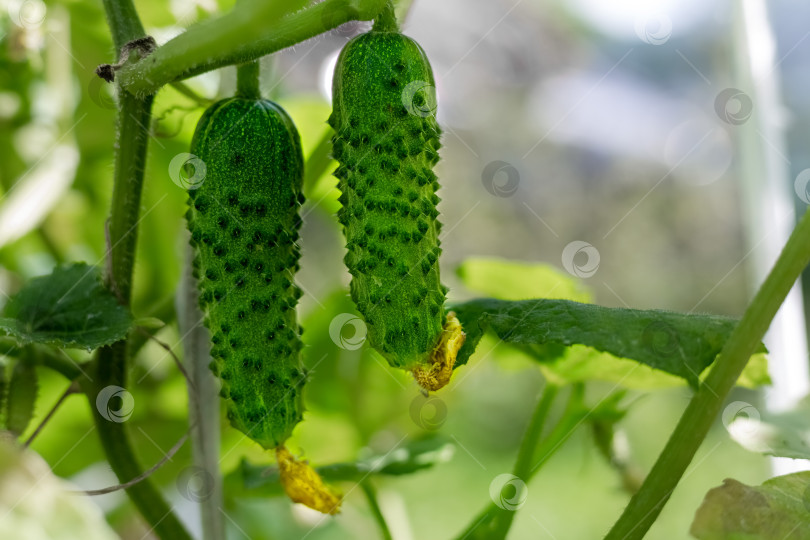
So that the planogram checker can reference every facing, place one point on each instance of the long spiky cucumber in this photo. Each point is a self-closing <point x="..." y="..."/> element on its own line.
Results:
<point x="386" y="142"/>
<point x="244" y="223"/>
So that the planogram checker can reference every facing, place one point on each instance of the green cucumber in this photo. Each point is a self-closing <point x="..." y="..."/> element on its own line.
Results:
<point x="244" y="222"/>
<point x="386" y="142"/>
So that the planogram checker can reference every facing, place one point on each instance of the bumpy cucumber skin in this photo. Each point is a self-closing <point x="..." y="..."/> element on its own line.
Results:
<point x="244" y="225"/>
<point x="389" y="216"/>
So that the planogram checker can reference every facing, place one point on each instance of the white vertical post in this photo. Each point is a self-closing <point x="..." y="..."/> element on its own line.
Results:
<point x="768" y="203"/>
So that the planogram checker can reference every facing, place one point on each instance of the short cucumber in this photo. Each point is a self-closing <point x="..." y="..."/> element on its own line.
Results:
<point x="244" y="224"/>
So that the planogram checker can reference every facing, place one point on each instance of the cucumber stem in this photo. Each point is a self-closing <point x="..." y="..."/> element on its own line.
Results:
<point x="247" y="80"/>
<point x="386" y="21"/>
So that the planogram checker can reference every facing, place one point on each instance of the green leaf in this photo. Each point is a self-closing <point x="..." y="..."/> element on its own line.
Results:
<point x="68" y="308"/>
<point x="263" y="481"/>
<point x="579" y="363"/>
<point x="22" y="394"/>
<point x="513" y="280"/>
<point x="680" y="344"/>
<point x="755" y="373"/>
<point x="779" y="509"/>
<point x="784" y="434"/>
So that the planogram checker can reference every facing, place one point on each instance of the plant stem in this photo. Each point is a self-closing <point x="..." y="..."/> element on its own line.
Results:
<point x="699" y="415"/>
<point x="237" y="37"/>
<point x="371" y="496"/>
<point x="130" y="160"/>
<point x="247" y="80"/>
<point x="111" y="362"/>
<point x="110" y="370"/>
<point x="571" y="419"/>
<point x="124" y="23"/>
<point x="481" y="527"/>
<point x="523" y="464"/>
<point x="386" y="21"/>
<point x="110" y="365"/>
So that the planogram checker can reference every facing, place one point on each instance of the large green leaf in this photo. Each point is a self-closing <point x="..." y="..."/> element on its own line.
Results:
<point x="779" y="509"/>
<point x="68" y="308"/>
<point x="784" y="434"/>
<point x="680" y="344"/>
<point x="516" y="280"/>
<point x="250" y="480"/>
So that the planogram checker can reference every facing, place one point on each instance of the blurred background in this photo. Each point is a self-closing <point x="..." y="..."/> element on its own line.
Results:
<point x="621" y="126"/>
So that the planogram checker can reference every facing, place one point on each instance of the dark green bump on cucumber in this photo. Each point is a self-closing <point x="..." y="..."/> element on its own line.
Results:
<point x="243" y="220"/>
<point x="386" y="147"/>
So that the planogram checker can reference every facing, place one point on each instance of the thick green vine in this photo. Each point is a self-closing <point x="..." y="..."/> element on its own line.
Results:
<point x="240" y="36"/>
<point x="702" y="410"/>
<point x="110" y="365"/>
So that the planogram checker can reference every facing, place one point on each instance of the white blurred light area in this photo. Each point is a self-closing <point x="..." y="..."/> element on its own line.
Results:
<point x="622" y="17"/>
<point x="325" y="75"/>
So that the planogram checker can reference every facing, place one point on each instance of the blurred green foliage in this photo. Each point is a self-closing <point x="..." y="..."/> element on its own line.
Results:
<point x="356" y="406"/>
